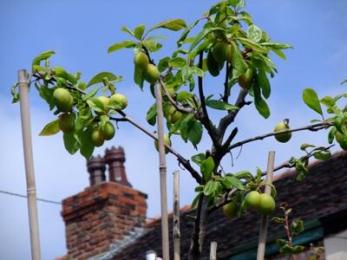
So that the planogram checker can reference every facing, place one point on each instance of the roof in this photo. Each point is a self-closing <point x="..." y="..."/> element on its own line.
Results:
<point x="321" y="199"/>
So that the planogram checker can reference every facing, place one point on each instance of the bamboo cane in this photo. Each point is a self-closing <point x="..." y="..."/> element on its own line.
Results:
<point x="162" y="171"/>
<point x="176" y="216"/>
<point x="29" y="165"/>
<point x="213" y="250"/>
<point x="265" y="220"/>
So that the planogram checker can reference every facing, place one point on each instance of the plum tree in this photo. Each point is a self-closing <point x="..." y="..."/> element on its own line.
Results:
<point x="224" y="41"/>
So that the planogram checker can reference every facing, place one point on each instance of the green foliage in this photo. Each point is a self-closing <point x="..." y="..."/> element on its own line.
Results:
<point x="172" y="24"/>
<point x="51" y="128"/>
<point x="103" y="77"/>
<point x="43" y="56"/>
<point x="121" y="45"/>
<point x="224" y="43"/>
<point x="292" y="228"/>
<point x="86" y="109"/>
<point x="310" y="97"/>
<point x="207" y="167"/>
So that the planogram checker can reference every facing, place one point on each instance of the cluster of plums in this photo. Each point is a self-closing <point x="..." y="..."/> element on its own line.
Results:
<point x="64" y="101"/>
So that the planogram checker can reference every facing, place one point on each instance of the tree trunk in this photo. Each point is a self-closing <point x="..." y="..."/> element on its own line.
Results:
<point x="198" y="237"/>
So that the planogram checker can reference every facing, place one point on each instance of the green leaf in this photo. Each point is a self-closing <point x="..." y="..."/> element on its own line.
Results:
<point x="237" y="3"/>
<point x="47" y="94"/>
<point x="278" y="220"/>
<point x="252" y="45"/>
<point x="260" y="103"/>
<point x="262" y="107"/>
<point x="207" y="166"/>
<point x="184" y="96"/>
<point x="87" y="147"/>
<point x="178" y="62"/>
<point x="264" y="83"/>
<point x="100" y="77"/>
<point x="138" y="31"/>
<point x="171" y="24"/>
<point x="220" y="105"/>
<point x="212" y="188"/>
<point x="243" y="175"/>
<point x="95" y="104"/>
<point x="344" y="82"/>
<point x="328" y="101"/>
<point x="70" y="142"/>
<point x="138" y="77"/>
<point x="196" y="71"/>
<point x="50" y="129"/>
<point x="120" y="45"/>
<point x="42" y="56"/>
<point x="303" y="147"/>
<point x="202" y="47"/>
<point x="202" y="35"/>
<point x="237" y="60"/>
<point x="127" y="30"/>
<point x="230" y="181"/>
<point x="322" y="155"/>
<point x="310" y="98"/>
<point x="91" y="93"/>
<point x="279" y="53"/>
<point x="254" y="33"/>
<point x="152" y="45"/>
<point x="199" y="158"/>
<point x="195" y="133"/>
<point x="297" y="226"/>
<point x="185" y="33"/>
<point x="163" y="64"/>
<point x="15" y="93"/>
<point x="152" y="114"/>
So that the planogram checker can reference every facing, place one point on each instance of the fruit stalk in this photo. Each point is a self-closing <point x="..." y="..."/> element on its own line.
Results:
<point x="264" y="219"/>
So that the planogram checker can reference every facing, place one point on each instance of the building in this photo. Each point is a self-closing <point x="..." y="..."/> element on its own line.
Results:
<point x="108" y="219"/>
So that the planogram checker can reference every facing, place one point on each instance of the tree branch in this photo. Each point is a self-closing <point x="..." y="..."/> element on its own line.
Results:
<point x="313" y="127"/>
<point x="230" y="117"/>
<point x="226" y="85"/>
<point x="204" y="118"/>
<point x="196" y="244"/>
<point x="180" y="158"/>
<point x="225" y="198"/>
<point x="177" y="105"/>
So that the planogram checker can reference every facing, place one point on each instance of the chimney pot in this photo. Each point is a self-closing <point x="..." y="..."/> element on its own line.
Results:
<point x="96" y="168"/>
<point x="115" y="159"/>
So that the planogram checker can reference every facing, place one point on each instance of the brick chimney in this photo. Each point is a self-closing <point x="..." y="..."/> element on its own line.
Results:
<point x="104" y="213"/>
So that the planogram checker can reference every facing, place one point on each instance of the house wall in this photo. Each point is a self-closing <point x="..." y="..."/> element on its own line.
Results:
<point x="336" y="246"/>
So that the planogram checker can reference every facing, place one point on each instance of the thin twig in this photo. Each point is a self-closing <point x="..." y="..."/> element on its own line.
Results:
<point x="180" y="158"/>
<point x="313" y="127"/>
<point x="230" y="117"/>
<point x="177" y="105"/>
<point x="227" y="196"/>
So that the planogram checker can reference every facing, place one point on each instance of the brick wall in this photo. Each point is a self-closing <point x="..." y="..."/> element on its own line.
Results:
<point x="102" y="214"/>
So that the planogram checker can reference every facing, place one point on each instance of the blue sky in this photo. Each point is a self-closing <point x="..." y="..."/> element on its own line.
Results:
<point x="81" y="31"/>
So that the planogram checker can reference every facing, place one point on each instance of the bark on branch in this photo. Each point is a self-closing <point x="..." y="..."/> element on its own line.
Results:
<point x="313" y="128"/>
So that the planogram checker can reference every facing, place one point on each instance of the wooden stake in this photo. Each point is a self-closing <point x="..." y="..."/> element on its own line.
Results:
<point x="265" y="219"/>
<point x="176" y="216"/>
<point x="213" y="250"/>
<point x="162" y="171"/>
<point x="29" y="165"/>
